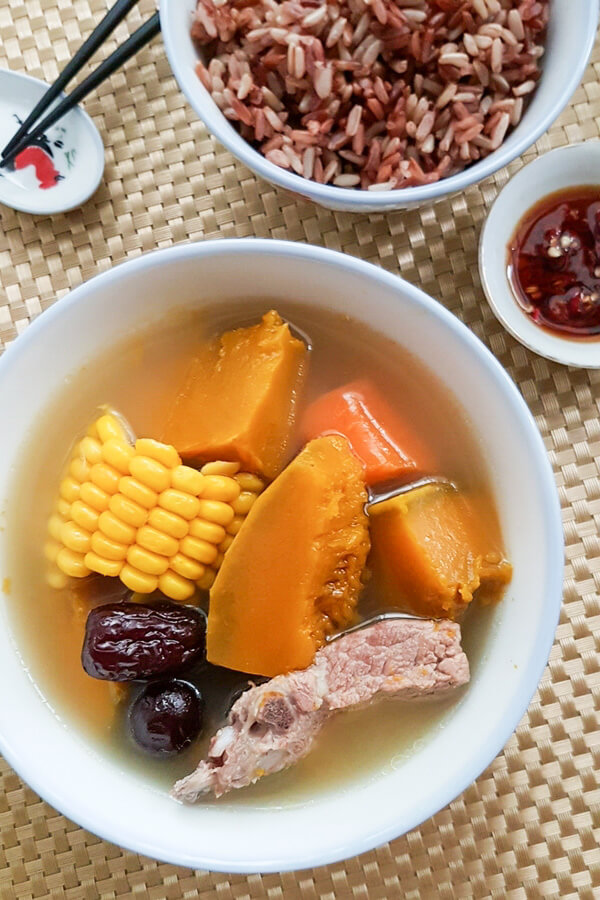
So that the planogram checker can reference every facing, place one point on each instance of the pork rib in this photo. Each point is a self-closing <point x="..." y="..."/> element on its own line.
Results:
<point x="273" y="725"/>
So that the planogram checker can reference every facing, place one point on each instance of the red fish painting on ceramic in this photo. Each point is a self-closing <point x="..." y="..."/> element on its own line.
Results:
<point x="46" y="173"/>
<point x="41" y="155"/>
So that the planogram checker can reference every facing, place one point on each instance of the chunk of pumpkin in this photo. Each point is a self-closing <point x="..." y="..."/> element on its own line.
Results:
<point x="239" y="397"/>
<point x="293" y="573"/>
<point x="431" y="550"/>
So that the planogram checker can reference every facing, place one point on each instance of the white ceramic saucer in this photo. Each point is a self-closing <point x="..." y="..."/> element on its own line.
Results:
<point x="573" y="166"/>
<point x="64" y="169"/>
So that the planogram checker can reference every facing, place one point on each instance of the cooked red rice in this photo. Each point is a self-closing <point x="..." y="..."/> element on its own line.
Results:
<point x="375" y="94"/>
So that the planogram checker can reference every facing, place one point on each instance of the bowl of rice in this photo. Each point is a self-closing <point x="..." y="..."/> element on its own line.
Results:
<point x="375" y="105"/>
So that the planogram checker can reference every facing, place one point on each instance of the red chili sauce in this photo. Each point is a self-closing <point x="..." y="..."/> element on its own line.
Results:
<point x="554" y="262"/>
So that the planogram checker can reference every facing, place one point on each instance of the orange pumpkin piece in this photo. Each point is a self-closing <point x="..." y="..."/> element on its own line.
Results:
<point x="239" y="396"/>
<point x="293" y="573"/>
<point x="432" y="551"/>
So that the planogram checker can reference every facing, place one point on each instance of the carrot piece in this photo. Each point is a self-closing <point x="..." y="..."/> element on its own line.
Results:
<point x="385" y="445"/>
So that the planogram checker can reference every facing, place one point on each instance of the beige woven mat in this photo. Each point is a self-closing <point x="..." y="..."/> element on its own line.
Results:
<point x="529" y="826"/>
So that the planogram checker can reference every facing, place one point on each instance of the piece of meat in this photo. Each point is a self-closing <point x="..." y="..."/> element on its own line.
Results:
<point x="273" y="725"/>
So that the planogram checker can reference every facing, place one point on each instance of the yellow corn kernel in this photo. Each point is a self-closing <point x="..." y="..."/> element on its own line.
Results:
<point x="220" y="487"/>
<point x="249" y="482"/>
<point x="92" y="430"/>
<point x="84" y="515"/>
<point x="184" y="478"/>
<point x="207" y="580"/>
<point x="91" y="449"/>
<point x="150" y="472"/>
<point x="109" y="549"/>
<point x="180" y="503"/>
<point x="218" y="561"/>
<point x="128" y="510"/>
<point x="175" y="587"/>
<point x="146" y="561"/>
<point x="138" y="581"/>
<point x="186" y="567"/>
<point x="79" y="469"/>
<point x="51" y="550"/>
<point x="115" y="529"/>
<point x="220" y="467"/>
<point x="75" y="537"/>
<point x="63" y="508"/>
<point x="108" y="427"/>
<point x="55" y="524"/>
<point x="226" y="543"/>
<point x="235" y="524"/>
<point x="162" y="453"/>
<point x="168" y="522"/>
<point x="72" y="563"/>
<point x="207" y="531"/>
<point x="138" y="492"/>
<point x="109" y="567"/>
<point x="69" y="489"/>
<point x="105" y="477"/>
<point x="199" y="550"/>
<point x="118" y="455"/>
<point x="151" y="539"/>
<point x="244" y="503"/>
<point x="94" y="496"/>
<point x="215" y="511"/>
<point x="56" y="579"/>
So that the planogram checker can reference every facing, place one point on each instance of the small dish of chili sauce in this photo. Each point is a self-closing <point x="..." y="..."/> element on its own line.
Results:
<point x="554" y="262"/>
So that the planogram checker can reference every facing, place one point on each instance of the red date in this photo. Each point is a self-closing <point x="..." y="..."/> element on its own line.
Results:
<point x="166" y="717"/>
<point x="132" y="641"/>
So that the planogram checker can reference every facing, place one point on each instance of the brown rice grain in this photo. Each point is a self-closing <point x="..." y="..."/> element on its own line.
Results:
<point x="526" y="88"/>
<point x="515" y="23"/>
<point x="497" y="135"/>
<point x="496" y="55"/>
<point x="279" y="158"/>
<point x="346" y="180"/>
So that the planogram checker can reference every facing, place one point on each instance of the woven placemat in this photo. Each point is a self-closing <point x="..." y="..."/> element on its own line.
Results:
<point x="529" y="826"/>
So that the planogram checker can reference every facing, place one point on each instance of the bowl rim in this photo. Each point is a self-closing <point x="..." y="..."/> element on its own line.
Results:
<point x="491" y="743"/>
<point x="501" y="298"/>
<point x="353" y="200"/>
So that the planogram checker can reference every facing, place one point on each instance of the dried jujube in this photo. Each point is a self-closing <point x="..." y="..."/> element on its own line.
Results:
<point x="131" y="641"/>
<point x="166" y="717"/>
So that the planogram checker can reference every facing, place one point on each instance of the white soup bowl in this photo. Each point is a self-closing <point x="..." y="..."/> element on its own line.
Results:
<point x="95" y="790"/>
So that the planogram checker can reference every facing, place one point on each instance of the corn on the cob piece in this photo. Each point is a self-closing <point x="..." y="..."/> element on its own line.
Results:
<point x="137" y="513"/>
<point x="134" y="511"/>
<point x="250" y="487"/>
<point x="72" y="518"/>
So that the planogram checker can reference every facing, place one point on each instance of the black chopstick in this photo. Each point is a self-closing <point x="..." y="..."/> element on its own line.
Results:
<point x="108" y="24"/>
<point x="138" y="39"/>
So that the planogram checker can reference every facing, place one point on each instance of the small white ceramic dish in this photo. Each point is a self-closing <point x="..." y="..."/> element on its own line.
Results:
<point x="571" y="36"/>
<point x="565" y="167"/>
<point x="61" y="171"/>
<point x="97" y="790"/>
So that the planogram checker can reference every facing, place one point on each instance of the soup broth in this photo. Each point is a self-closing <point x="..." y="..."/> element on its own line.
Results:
<point x="139" y="377"/>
